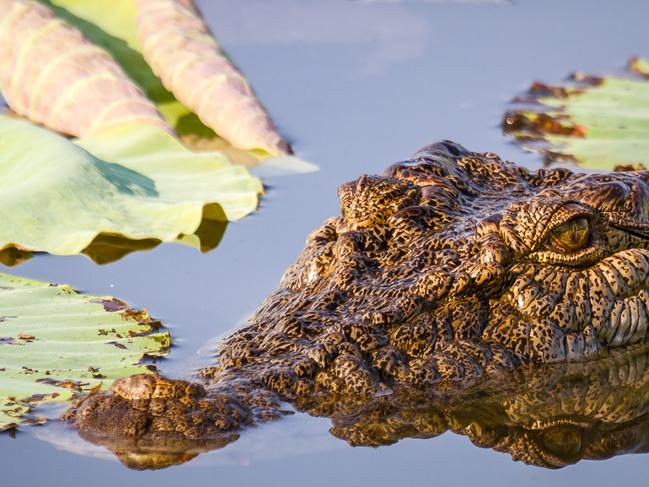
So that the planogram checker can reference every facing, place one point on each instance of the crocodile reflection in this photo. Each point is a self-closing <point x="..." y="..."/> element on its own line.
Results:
<point x="549" y="416"/>
<point x="156" y="454"/>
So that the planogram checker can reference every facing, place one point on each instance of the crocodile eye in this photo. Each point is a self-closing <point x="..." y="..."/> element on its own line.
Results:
<point x="572" y="236"/>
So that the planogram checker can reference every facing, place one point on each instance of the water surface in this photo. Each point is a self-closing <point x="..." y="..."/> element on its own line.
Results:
<point x="356" y="85"/>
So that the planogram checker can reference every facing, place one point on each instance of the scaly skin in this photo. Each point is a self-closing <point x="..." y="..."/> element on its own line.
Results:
<point x="450" y="270"/>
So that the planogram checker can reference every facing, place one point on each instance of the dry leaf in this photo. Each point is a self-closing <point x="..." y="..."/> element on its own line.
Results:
<point x="52" y="75"/>
<point x="180" y="50"/>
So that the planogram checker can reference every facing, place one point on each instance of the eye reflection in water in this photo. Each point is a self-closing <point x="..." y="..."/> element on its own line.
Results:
<point x="548" y="416"/>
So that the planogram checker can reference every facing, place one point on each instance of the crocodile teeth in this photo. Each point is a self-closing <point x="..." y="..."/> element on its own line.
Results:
<point x="628" y="322"/>
<point x="634" y="319"/>
<point x="643" y="316"/>
<point x="625" y="323"/>
<point x="613" y="333"/>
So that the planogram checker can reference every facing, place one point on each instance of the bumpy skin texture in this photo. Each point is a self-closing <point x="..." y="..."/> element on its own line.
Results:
<point x="453" y="268"/>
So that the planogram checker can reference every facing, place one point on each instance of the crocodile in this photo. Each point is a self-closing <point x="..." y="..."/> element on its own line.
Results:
<point x="452" y="270"/>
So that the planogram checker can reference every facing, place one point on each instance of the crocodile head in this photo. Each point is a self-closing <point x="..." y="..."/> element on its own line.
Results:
<point x="454" y="245"/>
<point x="451" y="268"/>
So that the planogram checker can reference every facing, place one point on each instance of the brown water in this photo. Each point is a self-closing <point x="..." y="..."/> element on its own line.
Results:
<point x="356" y="85"/>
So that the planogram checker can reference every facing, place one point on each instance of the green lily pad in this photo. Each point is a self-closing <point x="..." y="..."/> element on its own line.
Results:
<point x="599" y="122"/>
<point x="56" y="343"/>
<point x="135" y="182"/>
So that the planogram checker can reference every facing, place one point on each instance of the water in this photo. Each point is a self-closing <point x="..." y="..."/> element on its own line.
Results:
<point x="356" y="85"/>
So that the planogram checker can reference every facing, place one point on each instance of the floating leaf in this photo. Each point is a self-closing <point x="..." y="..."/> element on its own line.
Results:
<point x="117" y="33"/>
<point x="55" y="343"/>
<point x="133" y="181"/>
<point x="52" y="75"/>
<point x="602" y="123"/>
<point x="640" y="66"/>
<point x="69" y="81"/>
<point x="178" y="46"/>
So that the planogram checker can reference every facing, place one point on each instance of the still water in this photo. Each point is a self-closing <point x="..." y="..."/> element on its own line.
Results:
<point x="355" y="85"/>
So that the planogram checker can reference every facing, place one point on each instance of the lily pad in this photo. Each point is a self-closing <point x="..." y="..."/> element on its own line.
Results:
<point x="599" y="122"/>
<point x="56" y="343"/>
<point x="135" y="182"/>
